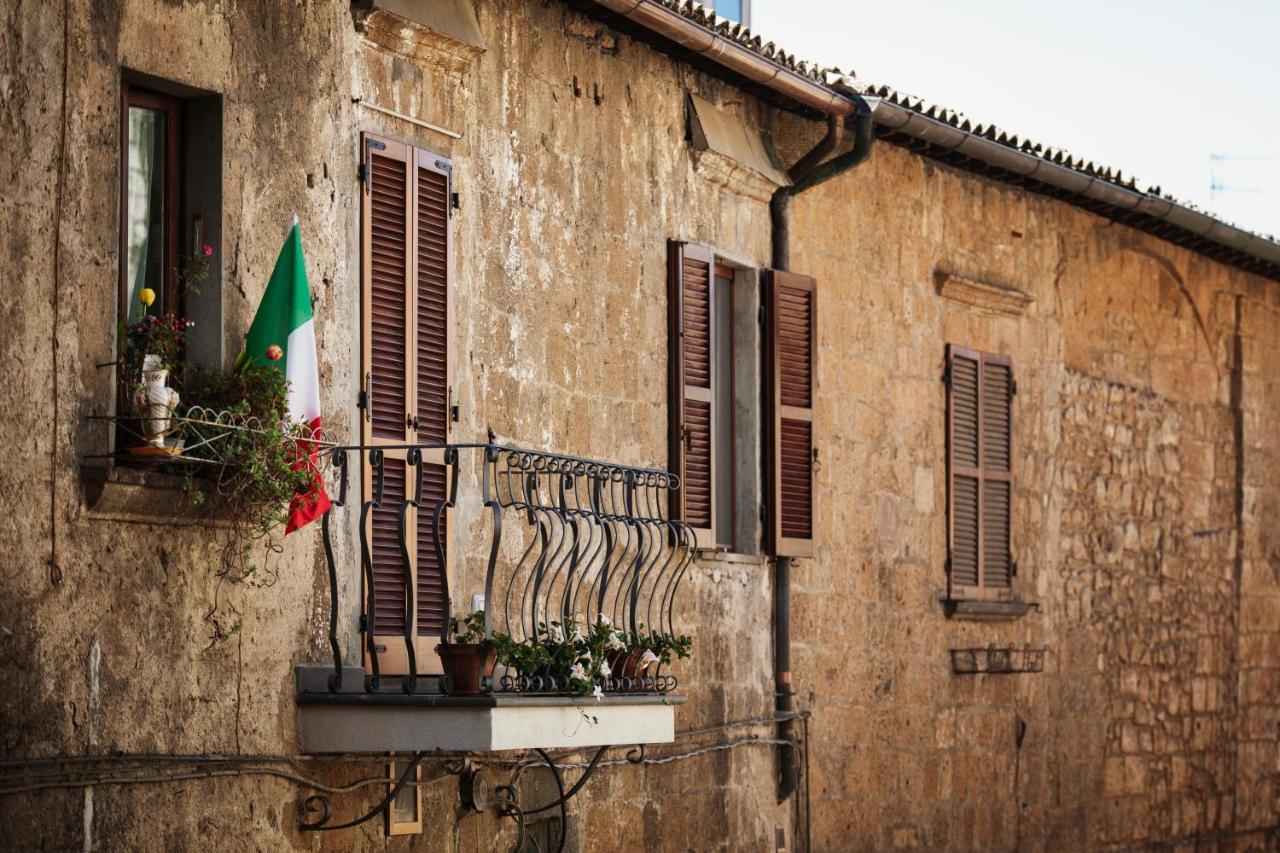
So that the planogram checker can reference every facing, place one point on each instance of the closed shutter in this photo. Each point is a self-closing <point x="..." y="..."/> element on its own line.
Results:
<point x="790" y="370"/>
<point x="406" y="364"/>
<point x="691" y="386"/>
<point x="980" y="392"/>
<point x="434" y="362"/>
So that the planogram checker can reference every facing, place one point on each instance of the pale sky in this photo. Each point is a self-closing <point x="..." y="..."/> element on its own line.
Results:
<point x="1155" y="89"/>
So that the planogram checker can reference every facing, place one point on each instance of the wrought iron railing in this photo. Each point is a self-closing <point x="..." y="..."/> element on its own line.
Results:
<point x="594" y="540"/>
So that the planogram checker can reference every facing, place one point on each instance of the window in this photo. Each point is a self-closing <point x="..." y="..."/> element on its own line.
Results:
<point x="171" y="206"/>
<point x="406" y="364"/>
<point x="980" y="389"/>
<point x="149" y="201"/>
<point x="741" y="424"/>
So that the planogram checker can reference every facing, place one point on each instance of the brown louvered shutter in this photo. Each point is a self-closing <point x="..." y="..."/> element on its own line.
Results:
<point x="979" y="461"/>
<point x="790" y="371"/>
<point x="406" y="365"/>
<point x="691" y="386"/>
<point x="433" y="369"/>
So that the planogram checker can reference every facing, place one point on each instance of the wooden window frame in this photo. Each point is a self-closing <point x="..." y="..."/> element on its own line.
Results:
<point x="394" y="659"/>
<point x="171" y="106"/>
<point x="721" y="270"/>
<point x="981" y="475"/>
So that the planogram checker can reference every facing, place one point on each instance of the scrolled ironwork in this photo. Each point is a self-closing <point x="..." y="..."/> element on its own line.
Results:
<point x="572" y="542"/>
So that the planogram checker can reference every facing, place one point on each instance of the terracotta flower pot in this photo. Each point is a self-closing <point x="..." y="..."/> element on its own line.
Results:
<point x="466" y="664"/>
<point x="626" y="663"/>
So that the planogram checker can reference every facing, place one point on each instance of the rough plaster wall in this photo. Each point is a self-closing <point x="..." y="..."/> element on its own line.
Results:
<point x="1125" y="529"/>
<point x="560" y="246"/>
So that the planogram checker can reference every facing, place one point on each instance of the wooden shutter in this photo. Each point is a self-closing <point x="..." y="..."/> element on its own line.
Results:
<point x="406" y="364"/>
<point x="433" y="367"/>
<point x="691" y="384"/>
<point x="980" y="392"/>
<point x="790" y="338"/>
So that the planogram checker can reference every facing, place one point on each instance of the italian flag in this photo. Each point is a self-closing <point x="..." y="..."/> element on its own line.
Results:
<point x="283" y="337"/>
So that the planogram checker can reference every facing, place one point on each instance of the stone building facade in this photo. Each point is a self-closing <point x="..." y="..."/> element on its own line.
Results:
<point x="1145" y="495"/>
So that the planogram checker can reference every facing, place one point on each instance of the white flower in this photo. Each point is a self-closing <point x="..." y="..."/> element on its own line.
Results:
<point x="557" y="633"/>
<point x="616" y="642"/>
<point x="577" y="634"/>
<point x="649" y="659"/>
<point x="604" y="669"/>
<point x="576" y="671"/>
<point x="598" y="693"/>
<point x="604" y="620"/>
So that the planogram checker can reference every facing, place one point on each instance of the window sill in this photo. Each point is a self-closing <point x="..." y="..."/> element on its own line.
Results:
<point x="987" y="611"/>
<point x="352" y="721"/>
<point x="137" y="496"/>
<point x="713" y="555"/>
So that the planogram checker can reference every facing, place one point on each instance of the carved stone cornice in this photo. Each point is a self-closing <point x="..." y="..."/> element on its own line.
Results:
<point x="983" y="295"/>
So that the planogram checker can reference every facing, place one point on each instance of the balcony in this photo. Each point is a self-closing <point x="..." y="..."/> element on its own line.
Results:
<point x="580" y="567"/>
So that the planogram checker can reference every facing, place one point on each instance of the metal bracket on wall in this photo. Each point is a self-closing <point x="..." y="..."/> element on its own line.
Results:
<point x="321" y="803"/>
<point x="995" y="660"/>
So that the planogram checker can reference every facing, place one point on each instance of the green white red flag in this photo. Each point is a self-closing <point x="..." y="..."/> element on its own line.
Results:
<point x="283" y="337"/>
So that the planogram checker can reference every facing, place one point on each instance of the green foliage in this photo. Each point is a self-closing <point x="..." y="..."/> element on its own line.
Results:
<point x="163" y="335"/>
<point x="260" y="469"/>
<point x="581" y="657"/>
<point x="468" y="630"/>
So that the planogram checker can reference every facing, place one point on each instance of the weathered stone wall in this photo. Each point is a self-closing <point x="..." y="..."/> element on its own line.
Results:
<point x="1146" y="506"/>
<point x="572" y="174"/>
<point x="1125" y="529"/>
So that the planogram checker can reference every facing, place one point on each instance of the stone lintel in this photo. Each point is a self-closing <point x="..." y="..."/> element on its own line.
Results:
<point x="983" y="295"/>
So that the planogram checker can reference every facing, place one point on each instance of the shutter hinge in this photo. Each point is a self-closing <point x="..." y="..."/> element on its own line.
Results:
<point x="362" y="398"/>
<point x="454" y="202"/>
<point x="453" y="407"/>
<point x="364" y="172"/>
<point x="946" y="376"/>
<point x="948" y="563"/>
<point x="364" y="622"/>
<point x="760" y="316"/>
<point x="1013" y="569"/>
<point x="1013" y="387"/>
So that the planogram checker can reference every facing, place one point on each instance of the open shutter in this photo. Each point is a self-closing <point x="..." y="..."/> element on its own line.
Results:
<point x="433" y="367"/>
<point x="406" y="364"/>
<point x="691" y="385"/>
<point x="790" y="372"/>
<point x="979" y="478"/>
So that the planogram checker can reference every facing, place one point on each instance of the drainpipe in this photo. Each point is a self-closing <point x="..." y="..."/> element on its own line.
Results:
<point x="808" y="172"/>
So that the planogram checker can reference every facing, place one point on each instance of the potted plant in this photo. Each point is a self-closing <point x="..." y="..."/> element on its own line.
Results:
<point x="468" y="659"/>
<point x="151" y="355"/>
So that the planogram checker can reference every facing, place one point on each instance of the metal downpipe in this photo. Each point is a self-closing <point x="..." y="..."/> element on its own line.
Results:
<point x="808" y="172"/>
<point x="864" y="135"/>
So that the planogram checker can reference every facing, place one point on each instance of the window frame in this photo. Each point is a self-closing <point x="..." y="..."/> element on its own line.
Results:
<point x="723" y="376"/>
<point x="981" y="474"/>
<point x="171" y="105"/>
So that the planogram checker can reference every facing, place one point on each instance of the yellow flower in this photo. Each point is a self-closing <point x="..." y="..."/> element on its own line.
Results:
<point x="146" y="296"/>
